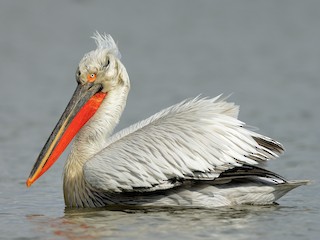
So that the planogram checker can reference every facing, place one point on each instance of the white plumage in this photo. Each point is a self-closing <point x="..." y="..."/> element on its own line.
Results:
<point x="195" y="153"/>
<point x="197" y="139"/>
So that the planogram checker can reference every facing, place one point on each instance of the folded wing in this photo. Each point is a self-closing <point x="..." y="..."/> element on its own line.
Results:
<point x="197" y="139"/>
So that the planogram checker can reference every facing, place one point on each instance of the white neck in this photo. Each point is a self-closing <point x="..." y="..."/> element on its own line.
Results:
<point x="92" y="137"/>
<point x="90" y="140"/>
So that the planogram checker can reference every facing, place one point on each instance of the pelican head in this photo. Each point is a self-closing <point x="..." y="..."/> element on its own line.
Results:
<point x="99" y="73"/>
<point x="101" y="67"/>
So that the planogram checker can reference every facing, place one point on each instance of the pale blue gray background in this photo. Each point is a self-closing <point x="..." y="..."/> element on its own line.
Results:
<point x="266" y="53"/>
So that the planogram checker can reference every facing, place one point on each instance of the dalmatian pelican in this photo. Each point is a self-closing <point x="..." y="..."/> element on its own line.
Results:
<point x="193" y="154"/>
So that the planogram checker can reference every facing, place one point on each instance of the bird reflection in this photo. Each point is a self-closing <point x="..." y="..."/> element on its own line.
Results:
<point x="146" y="222"/>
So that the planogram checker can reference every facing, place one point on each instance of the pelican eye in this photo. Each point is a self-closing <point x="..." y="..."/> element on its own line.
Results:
<point x="91" y="77"/>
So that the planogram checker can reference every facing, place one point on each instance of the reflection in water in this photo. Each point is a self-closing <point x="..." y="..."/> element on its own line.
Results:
<point x="152" y="223"/>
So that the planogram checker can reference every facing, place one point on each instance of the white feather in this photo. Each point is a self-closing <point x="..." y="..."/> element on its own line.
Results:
<point x="105" y="41"/>
<point x="193" y="136"/>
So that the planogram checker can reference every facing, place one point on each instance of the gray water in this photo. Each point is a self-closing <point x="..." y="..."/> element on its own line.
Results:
<point x="266" y="53"/>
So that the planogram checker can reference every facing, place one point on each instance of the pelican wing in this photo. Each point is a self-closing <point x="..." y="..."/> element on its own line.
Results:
<point x="195" y="140"/>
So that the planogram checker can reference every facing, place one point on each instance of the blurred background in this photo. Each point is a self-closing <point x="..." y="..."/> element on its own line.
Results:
<point x="265" y="53"/>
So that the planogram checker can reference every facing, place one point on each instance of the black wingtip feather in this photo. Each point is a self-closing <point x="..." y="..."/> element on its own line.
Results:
<point x="270" y="144"/>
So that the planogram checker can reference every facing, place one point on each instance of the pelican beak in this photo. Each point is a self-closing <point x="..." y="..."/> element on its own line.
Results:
<point x="84" y="103"/>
